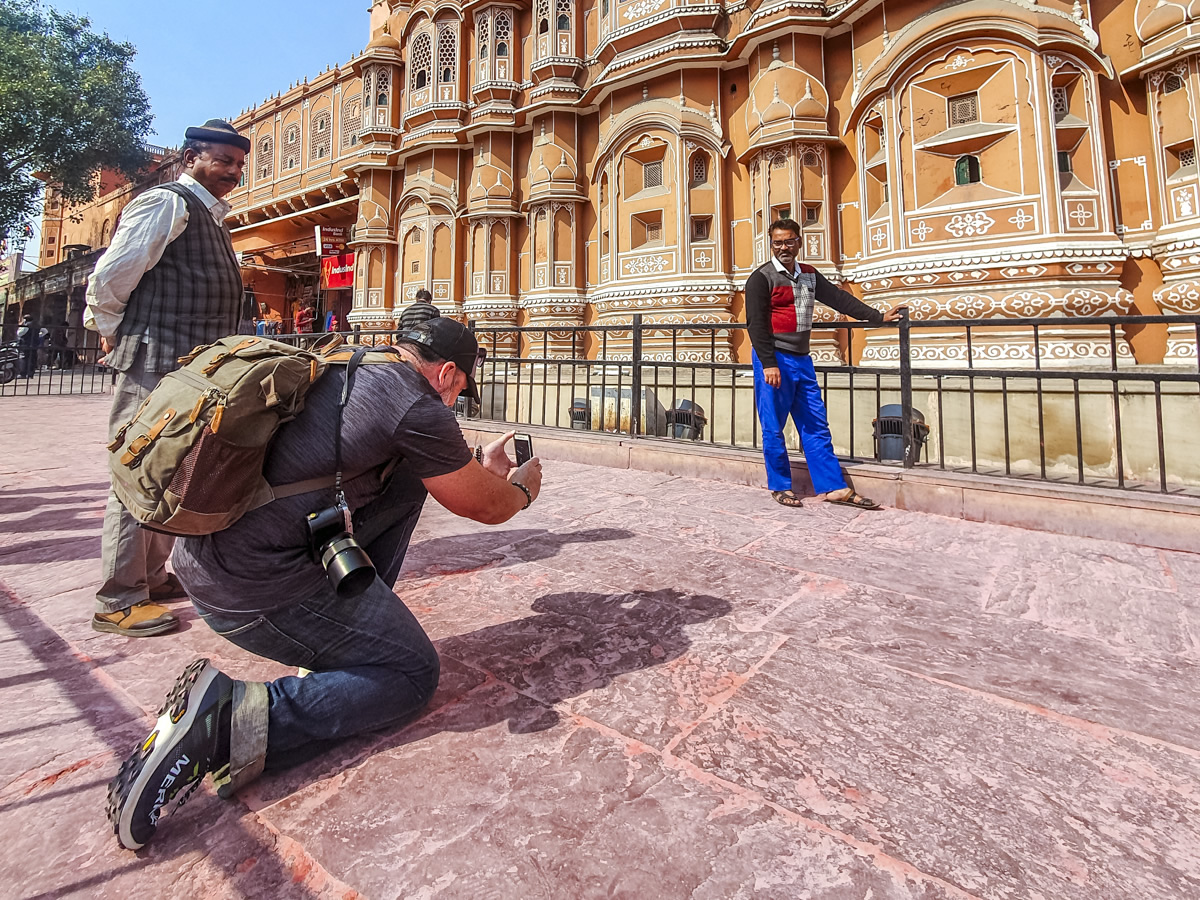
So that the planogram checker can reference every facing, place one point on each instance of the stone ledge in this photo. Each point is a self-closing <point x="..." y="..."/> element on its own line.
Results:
<point x="1168" y="522"/>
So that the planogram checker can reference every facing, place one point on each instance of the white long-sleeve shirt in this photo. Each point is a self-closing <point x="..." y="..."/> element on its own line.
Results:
<point x="148" y="224"/>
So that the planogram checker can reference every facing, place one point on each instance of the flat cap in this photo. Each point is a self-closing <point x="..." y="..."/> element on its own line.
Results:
<point x="218" y="131"/>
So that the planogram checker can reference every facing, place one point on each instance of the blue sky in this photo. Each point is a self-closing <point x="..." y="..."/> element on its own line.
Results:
<point x="211" y="60"/>
<point x="205" y="60"/>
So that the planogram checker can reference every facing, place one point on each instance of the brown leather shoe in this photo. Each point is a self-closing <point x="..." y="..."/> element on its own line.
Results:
<point x="170" y="589"/>
<point x="141" y="620"/>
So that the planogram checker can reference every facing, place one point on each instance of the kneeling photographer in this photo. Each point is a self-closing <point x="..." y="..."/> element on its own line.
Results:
<point x="306" y="580"/>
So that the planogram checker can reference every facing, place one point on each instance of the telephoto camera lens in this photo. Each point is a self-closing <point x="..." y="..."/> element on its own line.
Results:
<point x="347" y="566"/>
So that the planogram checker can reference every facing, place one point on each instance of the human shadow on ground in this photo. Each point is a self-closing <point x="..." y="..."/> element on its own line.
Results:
<point x="23" y="500"/>
<point x="61" y="549"/>
<point x="516" y="672"/>
<point x="460" y="553"/>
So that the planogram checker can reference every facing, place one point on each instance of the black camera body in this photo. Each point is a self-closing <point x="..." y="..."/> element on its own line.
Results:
<point x="331" y="542"/>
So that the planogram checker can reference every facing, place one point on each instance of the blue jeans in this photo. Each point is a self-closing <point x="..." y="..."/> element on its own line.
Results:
<point x="800" y="395"/>
<point x="372" y="665"/>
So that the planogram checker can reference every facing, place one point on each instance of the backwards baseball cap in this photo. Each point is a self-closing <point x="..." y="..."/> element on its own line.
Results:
<point x="453" y="342"/>
<point x="217" y="131"/>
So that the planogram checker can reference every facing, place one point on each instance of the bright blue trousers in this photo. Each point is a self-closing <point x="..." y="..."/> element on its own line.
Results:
<point x="799" y="395"/>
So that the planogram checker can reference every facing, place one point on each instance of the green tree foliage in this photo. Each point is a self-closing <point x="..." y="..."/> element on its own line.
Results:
<point x="70" y="103"/>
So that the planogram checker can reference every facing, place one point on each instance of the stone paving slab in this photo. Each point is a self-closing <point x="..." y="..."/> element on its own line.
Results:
<point x="652" y="687"/>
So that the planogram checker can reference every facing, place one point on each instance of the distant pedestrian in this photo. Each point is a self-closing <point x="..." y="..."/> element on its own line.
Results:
<point x="422" y="310"/>
<point x="780" y="296"/>
<point x="62" y="356"/>
<point x="248" y="314"/>
<point x="28" y="339"/>
<point x="305" y="318"/>
<point x="169" y="281"/>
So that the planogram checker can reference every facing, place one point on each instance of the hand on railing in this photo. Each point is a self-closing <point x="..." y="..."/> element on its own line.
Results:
<point x="896" y="313"/>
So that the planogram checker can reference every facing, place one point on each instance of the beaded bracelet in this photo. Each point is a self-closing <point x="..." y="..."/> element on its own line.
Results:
<point x="525" y="491"/>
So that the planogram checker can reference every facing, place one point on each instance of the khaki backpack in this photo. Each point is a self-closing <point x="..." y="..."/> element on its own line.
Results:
<point x="190" y="461"/>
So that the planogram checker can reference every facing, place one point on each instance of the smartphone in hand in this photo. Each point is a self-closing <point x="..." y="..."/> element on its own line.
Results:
<point x="523" y="445"/>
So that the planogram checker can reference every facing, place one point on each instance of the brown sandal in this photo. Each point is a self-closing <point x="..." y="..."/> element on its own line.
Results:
<point x="856" y="500"/>
<point x="786" y="498"/>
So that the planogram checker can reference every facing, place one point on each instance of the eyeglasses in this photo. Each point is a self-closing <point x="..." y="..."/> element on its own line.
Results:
<point x="790" y="242"/>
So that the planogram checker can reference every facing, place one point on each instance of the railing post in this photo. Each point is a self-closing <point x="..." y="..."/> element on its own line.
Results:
<point x="906" y="391"/>
<point x="635" y="384"/>
<point x="358" y="332"/>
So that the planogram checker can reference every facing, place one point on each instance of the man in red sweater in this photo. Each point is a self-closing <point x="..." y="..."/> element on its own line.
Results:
<point x="780" y="295"/>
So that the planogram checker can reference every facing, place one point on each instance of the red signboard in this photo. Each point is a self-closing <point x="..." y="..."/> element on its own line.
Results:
<point x="337" y="272"/>
<point x="330" y="240"/>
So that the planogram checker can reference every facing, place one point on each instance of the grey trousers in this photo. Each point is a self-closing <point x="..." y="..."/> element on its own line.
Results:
<point x="132" y="559"/>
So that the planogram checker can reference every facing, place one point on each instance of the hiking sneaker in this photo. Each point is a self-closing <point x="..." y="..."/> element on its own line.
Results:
<point x="189" y="740"/>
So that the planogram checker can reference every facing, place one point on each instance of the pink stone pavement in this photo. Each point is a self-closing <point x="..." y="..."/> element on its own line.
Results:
<point x="653" y="687"/>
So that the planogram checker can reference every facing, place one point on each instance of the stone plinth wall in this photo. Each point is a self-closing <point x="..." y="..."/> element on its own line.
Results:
<point x="1004" y="416"/>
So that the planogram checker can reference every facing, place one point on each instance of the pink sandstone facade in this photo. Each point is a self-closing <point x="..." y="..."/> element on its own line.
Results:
<point x="552" y="163"/>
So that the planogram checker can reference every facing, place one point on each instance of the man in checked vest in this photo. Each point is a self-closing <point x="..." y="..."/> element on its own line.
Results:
<point x="168" y="282"/>
<point x="780" y="295"/>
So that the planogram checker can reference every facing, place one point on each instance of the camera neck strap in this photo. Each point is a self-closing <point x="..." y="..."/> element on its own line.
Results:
<point x="351" y="368"/>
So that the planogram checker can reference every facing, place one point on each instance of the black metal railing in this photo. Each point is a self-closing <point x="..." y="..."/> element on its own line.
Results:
<point x="1072" y="406"/>
<point x="1067" y="409"/>
<point x="50" y="365"/>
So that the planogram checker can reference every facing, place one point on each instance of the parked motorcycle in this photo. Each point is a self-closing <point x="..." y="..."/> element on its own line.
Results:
<point x="10" y="359"/>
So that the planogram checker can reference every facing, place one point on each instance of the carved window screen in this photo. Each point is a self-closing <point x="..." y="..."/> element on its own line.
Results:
<point x="652" y="174"/>
<point x="699" y="169"/>
<point x="291" y="147"/>
<point x="964" y="109"/>
<point x="320" y="139"/>
<point x="351" y="121"/>
<point x="447" y="53"/>
<point x="266" y="158"/>
<point x="420" y="58"/>
<point x="1172" y="84"/>
<point x="1187" y="157"/>
<point x="1061" y="104"/>
<point x="503" y="33"/>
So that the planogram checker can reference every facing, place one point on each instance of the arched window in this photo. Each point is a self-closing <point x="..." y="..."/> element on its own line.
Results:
<point x="383" y="81"/>
<point x="319" y="142"/>
<point x="291" y="147"/>
<point x="351" y="120"/>
<point x="544" y="26"/>
<point x="266" y="158"/>
<point x="562" y="27"/>
<point x="699" y="171"/>
<point x="966" y="170"/>
<point x="447" y="52"/>
<point x="421" y="60"/>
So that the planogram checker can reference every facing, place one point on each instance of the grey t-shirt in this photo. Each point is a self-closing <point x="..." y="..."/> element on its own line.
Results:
<point x="262" y="563"/>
